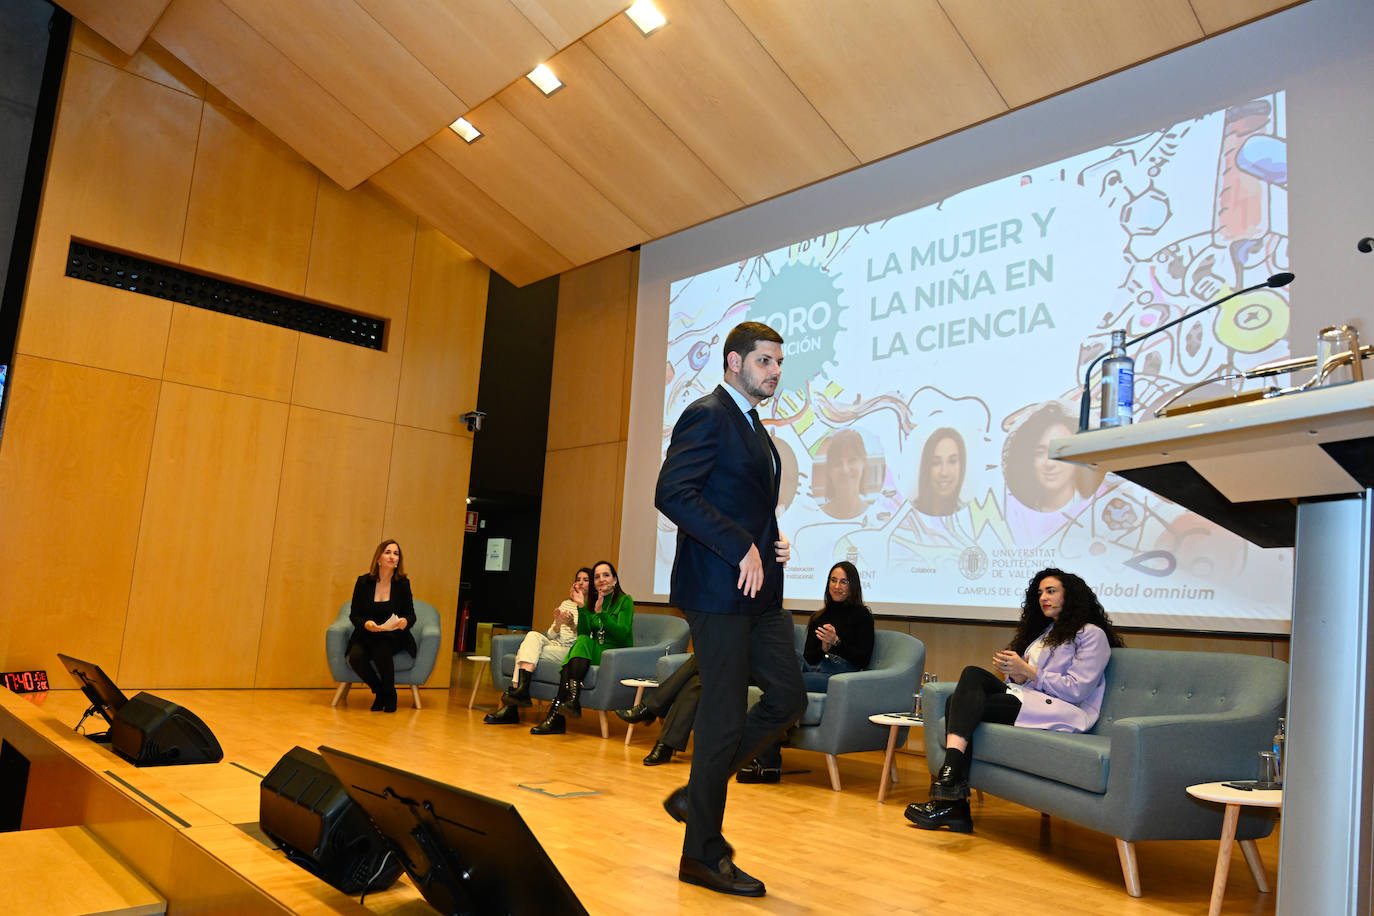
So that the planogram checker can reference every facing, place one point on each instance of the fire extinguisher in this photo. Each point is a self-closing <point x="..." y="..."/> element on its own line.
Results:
<point x="463" y="627"/>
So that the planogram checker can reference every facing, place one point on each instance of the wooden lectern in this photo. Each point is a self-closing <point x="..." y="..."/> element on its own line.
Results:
<point x="1295" y="470"/>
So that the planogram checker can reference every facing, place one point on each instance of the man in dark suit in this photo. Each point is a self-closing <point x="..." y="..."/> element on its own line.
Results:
<point x="719" y="485"/>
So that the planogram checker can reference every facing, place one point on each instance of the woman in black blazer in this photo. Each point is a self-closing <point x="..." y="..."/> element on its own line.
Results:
<point x="383" y="612"/>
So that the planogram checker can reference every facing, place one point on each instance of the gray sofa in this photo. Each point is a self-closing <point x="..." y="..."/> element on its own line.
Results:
<point x="1169" y="720"/>
<point x="655" y="635"/>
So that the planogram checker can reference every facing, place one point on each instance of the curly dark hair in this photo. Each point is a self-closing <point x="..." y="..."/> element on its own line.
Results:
<point x="1080" y="607"/>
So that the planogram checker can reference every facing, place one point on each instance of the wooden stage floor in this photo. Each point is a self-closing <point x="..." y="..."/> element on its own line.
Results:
<point x="818" y="851"/>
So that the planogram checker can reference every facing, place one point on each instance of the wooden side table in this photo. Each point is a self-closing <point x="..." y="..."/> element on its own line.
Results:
<point x="1234" y="800"/>
<point x="638" y="683"/>
<point x="482" y="662"/>
<point x="894" y="722"/>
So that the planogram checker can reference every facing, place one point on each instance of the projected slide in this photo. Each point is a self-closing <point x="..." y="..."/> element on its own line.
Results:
<point x="932" y="356"/>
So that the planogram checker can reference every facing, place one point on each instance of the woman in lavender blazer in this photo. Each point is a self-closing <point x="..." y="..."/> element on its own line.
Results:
<point x="1055" y="671"/>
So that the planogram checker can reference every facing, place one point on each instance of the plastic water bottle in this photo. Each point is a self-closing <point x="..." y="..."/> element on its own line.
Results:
<point x="1118" y="384"/>
<point x="1280" y="745"/>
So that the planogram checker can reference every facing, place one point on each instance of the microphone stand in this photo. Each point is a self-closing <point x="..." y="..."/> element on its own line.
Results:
<point x="1085" y="401"/>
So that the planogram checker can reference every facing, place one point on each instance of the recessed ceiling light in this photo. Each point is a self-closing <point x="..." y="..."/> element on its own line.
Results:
<point x="543" y="77"/>
<point x="463" y="128"/>
<point x="646" y="16"/>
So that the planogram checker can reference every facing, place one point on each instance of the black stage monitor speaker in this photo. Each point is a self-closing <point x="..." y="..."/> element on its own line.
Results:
<point x="151" y="731"/>
<point x="306" y="811"/>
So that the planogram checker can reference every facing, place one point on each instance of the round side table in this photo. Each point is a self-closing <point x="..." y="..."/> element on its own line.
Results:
<point x="1234" y="800"/>
<point x="638" y="683"/>
<point x="482" y="662"/>
<point x="893" y="721"/>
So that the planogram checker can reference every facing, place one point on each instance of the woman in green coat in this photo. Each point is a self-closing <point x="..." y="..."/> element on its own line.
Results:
<point x="606" y="622"/>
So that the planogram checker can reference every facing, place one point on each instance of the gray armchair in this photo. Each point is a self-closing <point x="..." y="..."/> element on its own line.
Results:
<point x="1169" y="720"/>
<point x="836" y="722"/>
<point x="655" y="635"/>
<point x="410" y="671"/>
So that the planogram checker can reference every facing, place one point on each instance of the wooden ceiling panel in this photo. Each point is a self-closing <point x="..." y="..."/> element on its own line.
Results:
<point x="222" y="48"/>
<point x="124" y="24"/>
<point x="342" y="48"/>
<point x="1220" y="15"/>
<point x="605" y="132"/>
<point x="715" y="87"/>
<point x="866" y="82"/>
<point x="475" y="47"/>
<point x="441" y="196"/>
<point x="564" y="21"/>
<point x="733" y="102"/>
<point x="152" y="61"/>
<point x="1033" y="48"/>
<point x="528" y="180"/>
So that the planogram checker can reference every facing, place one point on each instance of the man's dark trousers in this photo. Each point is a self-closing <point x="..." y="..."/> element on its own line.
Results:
<point x="730" y="650"/>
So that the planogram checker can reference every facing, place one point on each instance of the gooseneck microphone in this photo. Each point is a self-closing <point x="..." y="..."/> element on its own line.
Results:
<point x="1085" y="402"/>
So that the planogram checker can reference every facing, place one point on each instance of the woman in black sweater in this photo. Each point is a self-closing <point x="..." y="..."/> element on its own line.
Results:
<point x="839" y="637"/>
<point x="383" y="612"/>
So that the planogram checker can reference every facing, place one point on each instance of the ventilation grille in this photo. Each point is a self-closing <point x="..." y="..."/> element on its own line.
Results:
<point x="162" y="281"/>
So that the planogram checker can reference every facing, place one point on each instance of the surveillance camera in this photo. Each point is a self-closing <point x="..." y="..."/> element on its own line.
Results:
<point x="473" y="420"/>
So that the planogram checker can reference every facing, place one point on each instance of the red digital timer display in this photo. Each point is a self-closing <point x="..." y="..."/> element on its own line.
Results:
<point x="26" y="681"/>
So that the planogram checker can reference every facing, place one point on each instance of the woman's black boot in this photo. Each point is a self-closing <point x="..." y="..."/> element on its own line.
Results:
<point x="951" y="780"/>
<point x="554" y="723"/>
<point x="519" y="695"/>
<point x="571" y="704"/>
<point x="954" y="816"/>
<point x="506" y="715"/>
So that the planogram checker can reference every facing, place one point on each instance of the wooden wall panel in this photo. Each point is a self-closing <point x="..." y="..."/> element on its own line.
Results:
<point x="72" y="468"/>
<point x="441" y="356"/>
<point x="200" y="576"/>
<point x="330" y="508"/>
<point x="252" y="205"/>
<point x="230" y="354"/>
<point x="360" y="260"/>
<point x="119" y="181"/>
<point x="595" y="305"/>
<point x="425" y="509"/>
<point x="580" y="521"/>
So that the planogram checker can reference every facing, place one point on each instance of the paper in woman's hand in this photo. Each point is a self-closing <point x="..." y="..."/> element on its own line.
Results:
<point x="391" y="623"/>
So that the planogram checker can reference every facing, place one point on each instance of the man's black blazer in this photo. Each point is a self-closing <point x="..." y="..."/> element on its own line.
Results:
<point x="716" y="485"/>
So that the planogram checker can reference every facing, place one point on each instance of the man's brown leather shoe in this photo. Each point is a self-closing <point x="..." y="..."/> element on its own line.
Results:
<point x="723" y="878"/>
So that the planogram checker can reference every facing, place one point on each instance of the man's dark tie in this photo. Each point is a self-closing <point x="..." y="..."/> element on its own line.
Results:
<point x="762" y="435"/>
